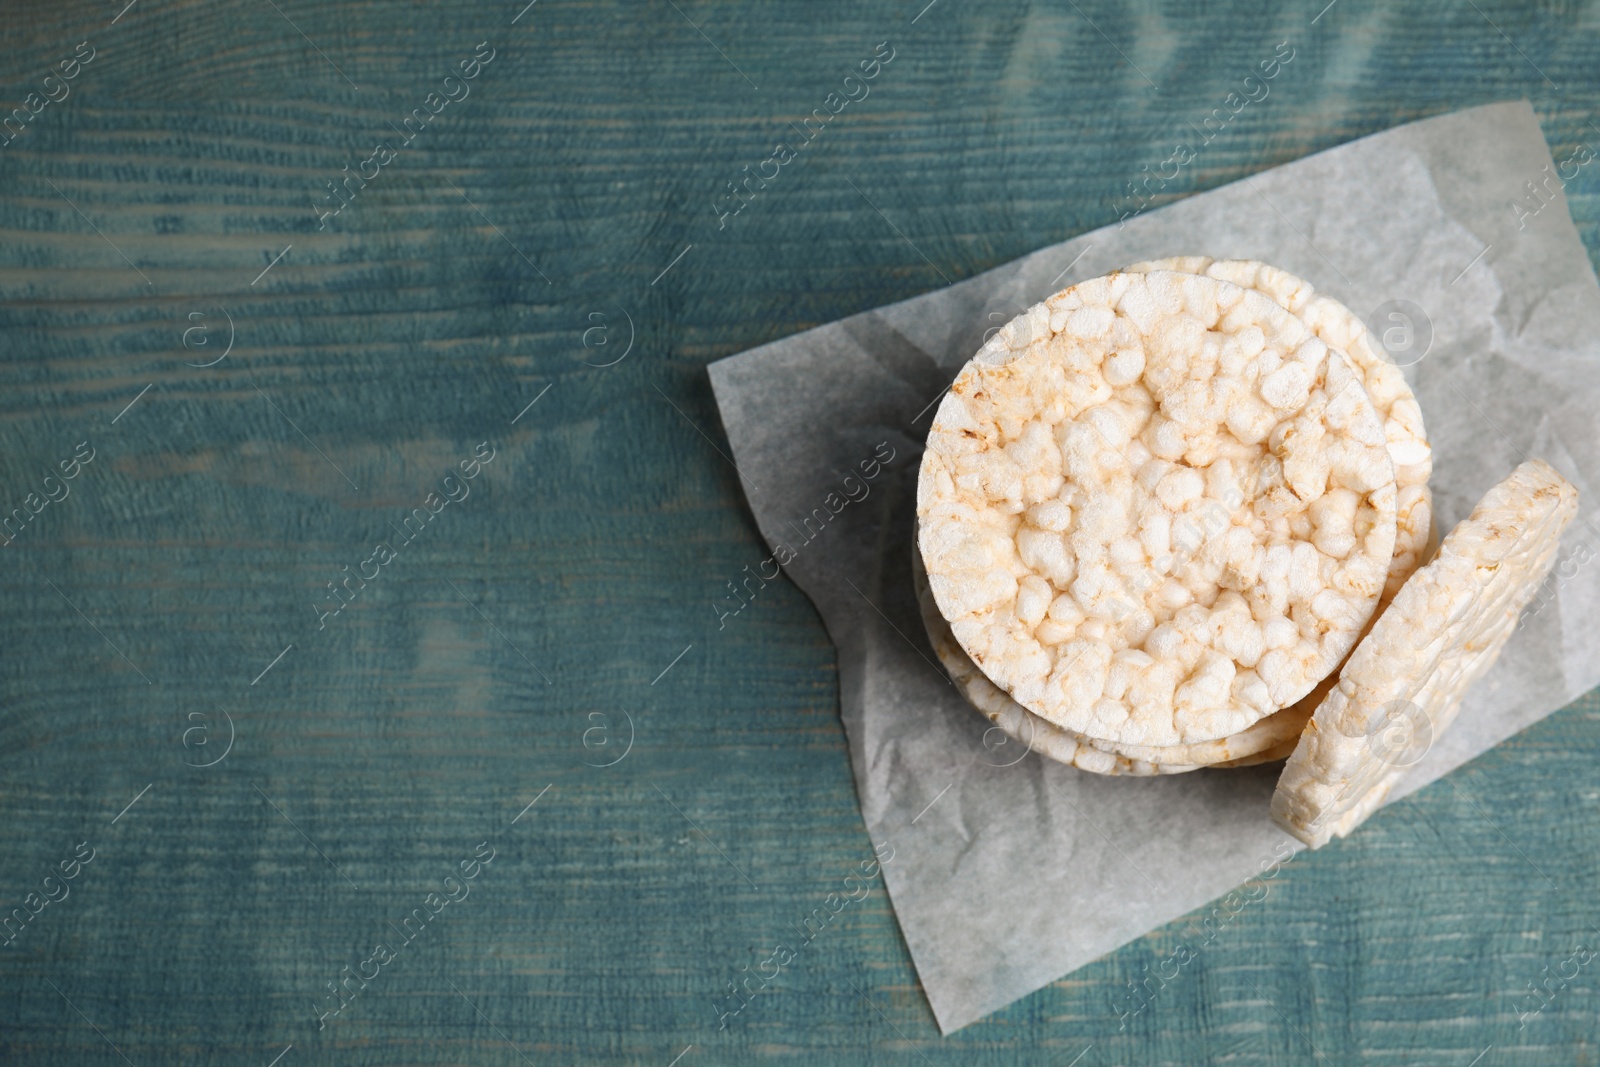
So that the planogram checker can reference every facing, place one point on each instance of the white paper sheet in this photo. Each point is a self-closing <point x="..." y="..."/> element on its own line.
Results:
<point x="1008" y="875"/>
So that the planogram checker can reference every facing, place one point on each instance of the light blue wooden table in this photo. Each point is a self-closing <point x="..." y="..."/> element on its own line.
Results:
<point x="476" y="294"/>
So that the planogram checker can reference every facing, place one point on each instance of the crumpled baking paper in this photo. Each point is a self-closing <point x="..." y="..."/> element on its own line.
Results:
<point x="1011" y="870"/>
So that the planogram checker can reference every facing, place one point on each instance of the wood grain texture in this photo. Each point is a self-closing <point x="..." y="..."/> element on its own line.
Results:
<point x="455" y="287"/>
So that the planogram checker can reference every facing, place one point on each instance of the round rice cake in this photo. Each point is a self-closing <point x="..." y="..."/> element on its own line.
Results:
<point x="1155" y="508"/>
<point x="1397" y="406"/>
<point x="1442" y="631"/>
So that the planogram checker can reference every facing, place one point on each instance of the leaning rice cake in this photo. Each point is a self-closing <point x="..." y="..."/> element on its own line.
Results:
<point x="1443" y="630"/>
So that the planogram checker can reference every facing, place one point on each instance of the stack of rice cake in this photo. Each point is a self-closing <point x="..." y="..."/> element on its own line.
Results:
<point x="1158" y="511"/>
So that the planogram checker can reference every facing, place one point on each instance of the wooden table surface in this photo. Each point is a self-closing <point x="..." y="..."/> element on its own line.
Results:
<point x="273" y="773"/>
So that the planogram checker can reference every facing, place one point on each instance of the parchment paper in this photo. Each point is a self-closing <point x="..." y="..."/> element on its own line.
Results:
<point x="1010" y="872"/>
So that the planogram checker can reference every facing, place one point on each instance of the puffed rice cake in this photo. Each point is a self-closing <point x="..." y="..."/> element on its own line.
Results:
<point x="1188" y="401"/>
<point x="1443" y="630"/>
